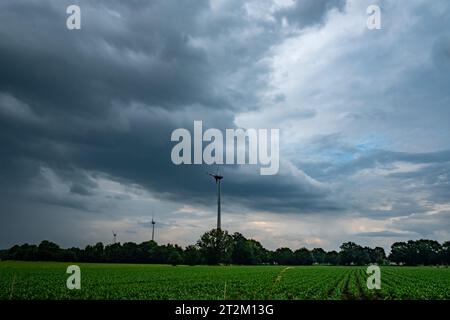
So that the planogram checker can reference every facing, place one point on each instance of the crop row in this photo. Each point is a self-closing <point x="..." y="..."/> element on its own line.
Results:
<point x="19" y="280"/>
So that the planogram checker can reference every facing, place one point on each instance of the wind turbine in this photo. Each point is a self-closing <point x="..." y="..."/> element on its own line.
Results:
<point x="217" y="177"/>
<point x="114" y="236"/>
<point x="153" y="229"/>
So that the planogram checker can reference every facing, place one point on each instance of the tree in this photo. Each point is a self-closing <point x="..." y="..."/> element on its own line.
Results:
<point x="216" y="246"/>
<point x="351" y="253"/>
<point x="259" y="254"/>
<point x="48" y="251"/>
<point x="192" y="255"/>
<point x="131" y="253"/>
<point x="413" y="253"/>
<point x="427" y="252"/>
<point x="303" y="257"/>
<point x="445" y="253"/>
<point x="23" y="252"/>
<point x="247" y="251"/>
<point x="149" y="251"/>
<point x="94" y="253"/>
<point x="318" y="255"/>
<point x="378" y="256"/>
<point x="399" y="253"/>
<point x="269" y="257"/>
<point x="242" y="252"/>
<point x="113" y="253"/>
<point x="73" y="254"/>
<point x="174" y="258"/>
<point x="332" y="257"/>
<point x="284" y="256"/>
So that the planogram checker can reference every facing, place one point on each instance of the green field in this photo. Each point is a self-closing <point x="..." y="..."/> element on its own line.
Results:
<point x="47" y="280"/>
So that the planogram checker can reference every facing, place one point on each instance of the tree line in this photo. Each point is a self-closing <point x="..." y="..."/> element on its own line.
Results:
<point x="219" y="247"/>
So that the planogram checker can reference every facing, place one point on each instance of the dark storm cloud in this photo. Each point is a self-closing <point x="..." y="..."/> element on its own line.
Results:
<point x="81" y="189"/>
<point x="80" y="107"/>
<point x="147" y="58"/>
<point x="106" y="99"/>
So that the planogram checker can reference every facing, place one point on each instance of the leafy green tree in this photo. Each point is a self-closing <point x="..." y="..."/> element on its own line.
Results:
<point x="242" y="252"/>
<point x="73" y="254"/>
<point x="247" y="251"/>
<point x="23" y="252"/>
<point x="149" y="251"/>
<point x="131" y="252"/>
<point x="399" y="252"/>
<point x="94" y="253"/>
<point x="445" y="253"/>
<point x="3" y="255"/>
<point x="284" y="256"/>
<point x="174" y="258"/>
<point x="192" y="255"/>
<point x="318" y="255"/>
<point x="269" y="257"/>
<point x="216" y="246"/>
<point x="420" y="252"/>
<point x="113" y="252"/>
<point x="48" y="251"/>
<point x="427" y="252"/>
<point x="351" y="253"/>
<point x="378" y="256"/>
<point x="303" y="257"/>
<point x="259" y="254"/>
<point x="332" y="257"/>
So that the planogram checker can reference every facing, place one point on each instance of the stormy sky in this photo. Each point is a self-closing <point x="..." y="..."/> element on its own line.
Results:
<point x="86" y="118"/>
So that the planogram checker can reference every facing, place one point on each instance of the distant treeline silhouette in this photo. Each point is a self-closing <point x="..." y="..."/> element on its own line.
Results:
<point x="218" y="247"/>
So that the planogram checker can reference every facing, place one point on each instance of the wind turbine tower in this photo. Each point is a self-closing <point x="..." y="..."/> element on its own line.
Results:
<point x="153" y="229"/>
<point x="114" y="237"/>
<point x="218" y="178"/>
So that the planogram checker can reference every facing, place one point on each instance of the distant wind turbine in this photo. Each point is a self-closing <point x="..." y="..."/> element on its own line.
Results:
<point x="218" y="178"/>
<point x="153" y="229"/>
<point x="114" y="236"/>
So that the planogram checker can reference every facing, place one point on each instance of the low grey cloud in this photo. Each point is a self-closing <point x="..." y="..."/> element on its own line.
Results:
<point x="309" y="12"/>
<point x="384" y="234"/>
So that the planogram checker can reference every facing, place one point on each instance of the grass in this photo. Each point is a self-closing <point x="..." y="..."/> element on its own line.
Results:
<point x="47" y="280"/>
